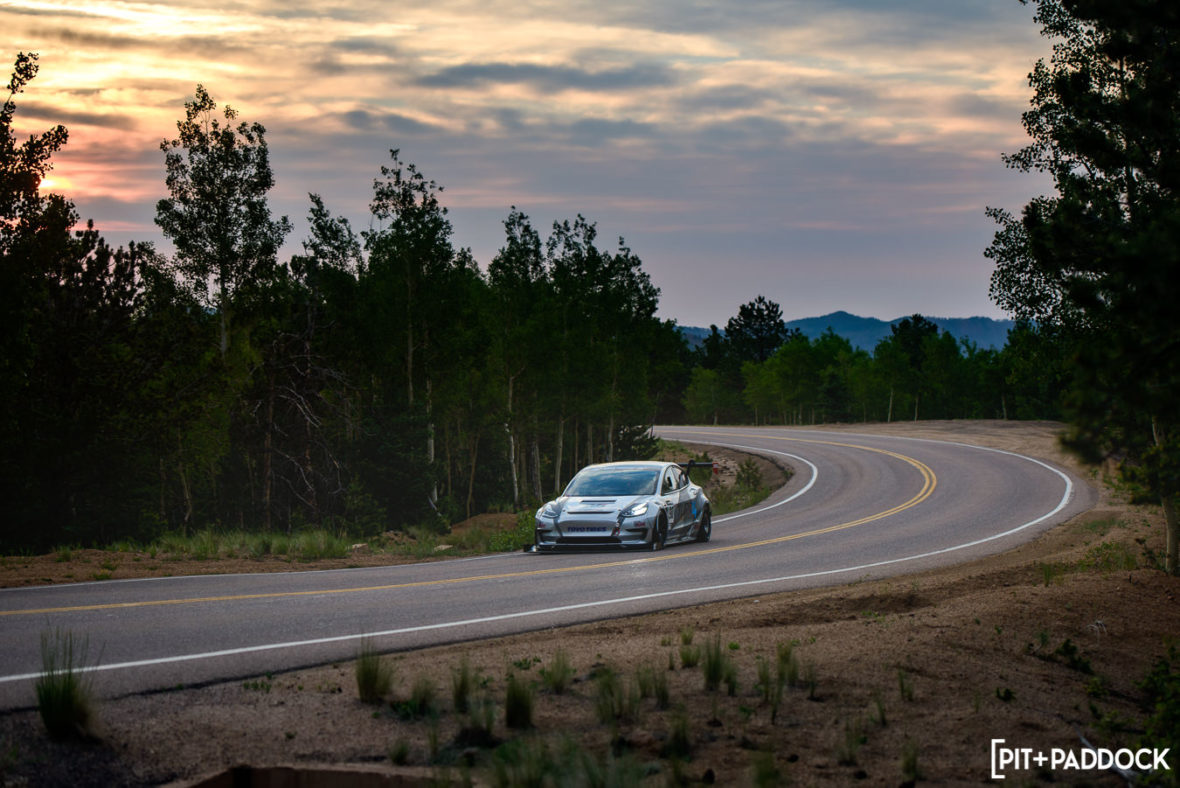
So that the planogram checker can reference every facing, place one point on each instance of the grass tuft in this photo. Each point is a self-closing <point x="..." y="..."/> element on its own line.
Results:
<point x="462" y="686"/>
<point x="910" y="772"/>
<point x="616" y="699"/>
<point x="374" y="674"/>
<point x="65" y="696"/>
<point x="519" y="698"/>
<point x="558" y="675"/>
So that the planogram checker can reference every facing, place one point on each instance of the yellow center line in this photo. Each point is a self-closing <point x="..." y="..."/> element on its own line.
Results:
<point x="929" y="482"/>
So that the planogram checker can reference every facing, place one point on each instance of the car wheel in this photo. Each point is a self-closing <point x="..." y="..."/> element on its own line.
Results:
<point x="660" y="535"/>
<point x="705" y="529"/>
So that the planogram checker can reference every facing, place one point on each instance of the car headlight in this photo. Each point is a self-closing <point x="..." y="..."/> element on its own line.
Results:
<point x="636" y="510"/>
<point x="548" y="511"/>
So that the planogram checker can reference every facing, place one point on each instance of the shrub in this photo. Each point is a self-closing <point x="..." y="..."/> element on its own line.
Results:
<point x="749" y="477"/>
<point x="518" y="538"/>
<point x="1162" y="694"/>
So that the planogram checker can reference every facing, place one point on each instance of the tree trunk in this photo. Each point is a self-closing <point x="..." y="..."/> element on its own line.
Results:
<point x="184" y="486"/>
<point x="557" y="456"/>
<point x="535" y="453"/>
<point x="471" y="476"/>
<point x="430" y="441"/>
<point x="1172" y="543"/>
<point x="610" y="438"/>
<point x="267" y="454"/>
<point x="577" y="440"/>
<point x="512" y="446"/>
<point x="889" y="415"/>
<point x="1168" y="501"/>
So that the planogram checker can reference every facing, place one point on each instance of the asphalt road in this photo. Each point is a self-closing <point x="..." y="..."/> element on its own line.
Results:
<point x="859" y="506"/>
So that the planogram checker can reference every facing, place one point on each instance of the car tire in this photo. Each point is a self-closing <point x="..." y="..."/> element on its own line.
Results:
<point x="660" y="535"/>
<point x="705" y="529"/>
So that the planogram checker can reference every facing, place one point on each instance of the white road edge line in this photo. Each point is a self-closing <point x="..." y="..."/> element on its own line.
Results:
<point x="620" y="601"/>
<point x="806" y="487"/>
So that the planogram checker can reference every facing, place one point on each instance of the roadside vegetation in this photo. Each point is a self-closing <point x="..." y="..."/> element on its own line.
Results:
<point x="378" y="380"/>
<point x="657" y="720"/>
<point x="741" y="485"/>
<point x="65" y="689"/>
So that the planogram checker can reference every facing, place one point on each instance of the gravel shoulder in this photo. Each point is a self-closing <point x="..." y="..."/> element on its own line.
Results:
<point x="907" y="677"/>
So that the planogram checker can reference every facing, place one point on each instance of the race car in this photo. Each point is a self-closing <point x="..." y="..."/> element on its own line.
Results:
<point x="642" y="505"/>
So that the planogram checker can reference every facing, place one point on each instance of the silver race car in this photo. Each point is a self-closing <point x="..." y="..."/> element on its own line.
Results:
<point x="642" y="505"/>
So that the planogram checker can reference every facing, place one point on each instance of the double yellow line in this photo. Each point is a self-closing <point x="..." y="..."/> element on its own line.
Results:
<point x="929" y="483"/>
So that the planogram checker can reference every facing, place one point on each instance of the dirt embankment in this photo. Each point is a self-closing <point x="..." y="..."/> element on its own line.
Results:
<point x="895" y="680"/>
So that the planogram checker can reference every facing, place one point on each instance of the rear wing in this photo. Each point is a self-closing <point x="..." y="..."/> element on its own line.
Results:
<point x="688" y="466"/>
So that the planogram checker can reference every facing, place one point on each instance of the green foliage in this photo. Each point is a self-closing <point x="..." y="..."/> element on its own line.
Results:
<point x="1109" y="557"/>
<point x="1161" y="689"/>
<point x="529" y="761"/>
<point x="1072" y="657"/>
<point x="378" y="381"/>
<point x="516" y="539"/>
<point x="1095" y="262"/>
<point x="718" y="667"/>
<point x="749" y="477"/>
<point x="399" y="753"/>
<point x="65" y="696"/>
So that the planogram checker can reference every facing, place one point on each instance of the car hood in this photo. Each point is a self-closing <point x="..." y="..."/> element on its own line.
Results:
<point x="597" y="504"/>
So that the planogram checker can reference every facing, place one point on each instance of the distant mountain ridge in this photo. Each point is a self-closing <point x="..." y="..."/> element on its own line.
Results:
<point x="866" y="332"/>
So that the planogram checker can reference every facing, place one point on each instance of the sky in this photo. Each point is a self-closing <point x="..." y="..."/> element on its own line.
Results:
<point x="827" y="154"/>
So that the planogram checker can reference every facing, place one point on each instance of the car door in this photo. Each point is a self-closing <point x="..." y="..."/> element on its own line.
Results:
<point x="679" y="513"/>
<point x="670" y="501"/>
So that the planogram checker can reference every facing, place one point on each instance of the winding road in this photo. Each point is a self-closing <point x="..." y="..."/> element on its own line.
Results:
<point x="858" y="506"/>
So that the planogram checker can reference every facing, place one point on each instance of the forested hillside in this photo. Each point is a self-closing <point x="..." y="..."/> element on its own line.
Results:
<point x="381" y="378"/>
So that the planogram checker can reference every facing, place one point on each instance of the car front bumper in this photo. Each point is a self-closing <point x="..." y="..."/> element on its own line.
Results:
<point x="592" y="532"/>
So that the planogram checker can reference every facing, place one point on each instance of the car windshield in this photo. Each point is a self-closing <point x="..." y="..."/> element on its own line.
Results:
<point x="614" y="481"/>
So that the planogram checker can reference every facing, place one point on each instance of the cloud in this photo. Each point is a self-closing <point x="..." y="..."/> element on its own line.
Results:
<point x="58" y="113"/>
<point x="550" y="79"/>
<point x="827" y="134"/>
<point x="364" y="120"/>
